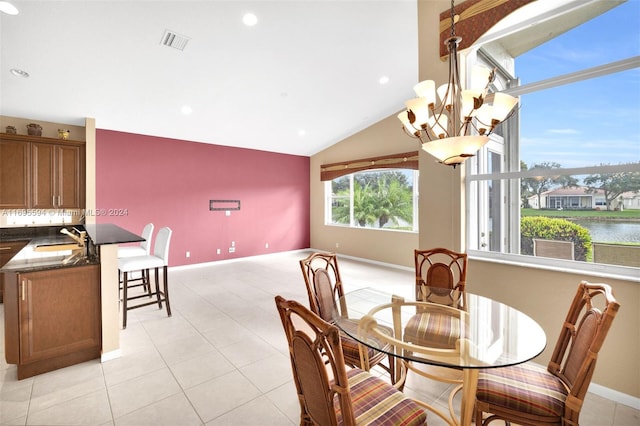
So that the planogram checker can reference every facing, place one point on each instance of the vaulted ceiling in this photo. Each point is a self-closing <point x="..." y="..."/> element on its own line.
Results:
<point x="306" y="76"/>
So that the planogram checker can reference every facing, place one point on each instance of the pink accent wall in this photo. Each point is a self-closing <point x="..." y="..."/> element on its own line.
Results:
<point x="170" y="182"/>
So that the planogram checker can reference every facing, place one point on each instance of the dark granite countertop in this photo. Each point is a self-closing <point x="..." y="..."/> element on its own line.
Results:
<point x="27" y="233"/>
<point x="108" y="233"/>
<point x="29" y="259"/>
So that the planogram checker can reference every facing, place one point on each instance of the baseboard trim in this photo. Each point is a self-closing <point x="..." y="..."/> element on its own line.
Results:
<point x="235" y="259"/>
<point x="614" y="395"/>
<point x="108" y="356"/>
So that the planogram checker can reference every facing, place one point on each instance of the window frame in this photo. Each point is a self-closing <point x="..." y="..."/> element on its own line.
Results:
<point x="328" y="203"/>
<point x="511" y="181"/>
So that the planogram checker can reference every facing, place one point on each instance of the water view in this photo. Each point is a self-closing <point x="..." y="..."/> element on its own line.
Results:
<point x="612" y="231"/>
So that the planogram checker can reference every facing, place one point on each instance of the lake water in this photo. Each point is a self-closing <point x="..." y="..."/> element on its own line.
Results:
<point x="613" y="231"/>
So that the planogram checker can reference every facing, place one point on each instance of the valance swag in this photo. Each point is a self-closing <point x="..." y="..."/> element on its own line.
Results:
<point x="406" y="160"/>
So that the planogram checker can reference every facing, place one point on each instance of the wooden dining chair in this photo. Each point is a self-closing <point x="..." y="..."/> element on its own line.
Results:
<point x="441" y="276"/>
<point x="528" y="394"/>
<point x="439" y="268"/>
<point x="325" y="291"/>
<point x="410" y="354"/>
<point x="328" y="394"/>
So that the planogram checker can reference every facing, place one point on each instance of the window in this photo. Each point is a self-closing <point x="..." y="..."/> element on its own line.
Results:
<point x="566" y="166"/>
<point x="376" y="199"/>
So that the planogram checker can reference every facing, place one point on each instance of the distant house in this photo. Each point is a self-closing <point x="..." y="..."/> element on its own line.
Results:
<point x="630" y="200"/>
<point x="574" y="198"/>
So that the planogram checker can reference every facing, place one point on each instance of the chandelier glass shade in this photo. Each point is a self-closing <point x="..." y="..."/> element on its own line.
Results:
<point x="453" y="123"/>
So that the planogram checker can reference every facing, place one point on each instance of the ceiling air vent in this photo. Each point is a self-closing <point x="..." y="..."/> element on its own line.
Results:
<point x="175" y="40"/>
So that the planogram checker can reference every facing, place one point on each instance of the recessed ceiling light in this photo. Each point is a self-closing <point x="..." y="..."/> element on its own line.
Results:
<point x="18" y="72"/>
<point x="250" y="19"/>
<point x="186" y="110"/>
<point x="8" y="8"/>
<point x="301" y="133"/>
<point x="384" y="79"/>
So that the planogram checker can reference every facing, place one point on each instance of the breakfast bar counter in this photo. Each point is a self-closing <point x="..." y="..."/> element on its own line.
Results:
<point x="61" y="297"/>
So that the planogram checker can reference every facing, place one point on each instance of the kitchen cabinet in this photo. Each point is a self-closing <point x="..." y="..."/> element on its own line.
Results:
<point x="56" y="174"/>
<point x="52" y="318"/>
<point x="14" y="174"/>
<point x="41" y="173"/>
<point x="8" y="249"/>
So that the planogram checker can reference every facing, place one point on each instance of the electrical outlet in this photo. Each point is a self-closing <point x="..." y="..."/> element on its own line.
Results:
<point x="233" y="243"/>
<point x="337" y="245"/>
<point x="218" y="251"/>
<point x="188" y="254"/>
<point x="232" y="249"/>
<point x="266" y="245"/>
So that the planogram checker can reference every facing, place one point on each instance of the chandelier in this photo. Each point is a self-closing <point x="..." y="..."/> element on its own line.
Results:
<point x="460" y="122"/>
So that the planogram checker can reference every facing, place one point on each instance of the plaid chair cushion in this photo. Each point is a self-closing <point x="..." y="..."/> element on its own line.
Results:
<point x="435" y="330"/>
<point x="526" y="388"/>
<point x="350" y="346"/>
<point x="376" y="402"/>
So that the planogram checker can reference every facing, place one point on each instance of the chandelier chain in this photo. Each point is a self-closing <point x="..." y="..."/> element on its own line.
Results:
<point x="453" y="18"/>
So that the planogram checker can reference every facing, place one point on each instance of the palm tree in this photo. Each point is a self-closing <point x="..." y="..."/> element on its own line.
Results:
<point x="363" y="205"/>
<point x="379" y="198"/>
<point x="394" y="201"/>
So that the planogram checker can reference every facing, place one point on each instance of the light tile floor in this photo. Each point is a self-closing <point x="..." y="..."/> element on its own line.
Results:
<point x="221" y="359"/>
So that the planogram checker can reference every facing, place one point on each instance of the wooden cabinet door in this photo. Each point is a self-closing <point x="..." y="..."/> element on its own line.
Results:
<point x="7" y="251"/>
<point x="57" y="176"/>
<point x="43" y="184"/>
<point x="14" y="174"/>
<point x="59" y="312"/>
<point x="41" y="173"/>
<point x="69" y="176"/>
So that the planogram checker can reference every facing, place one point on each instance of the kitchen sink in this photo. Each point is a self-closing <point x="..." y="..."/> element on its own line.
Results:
<point x="57" y="247"/>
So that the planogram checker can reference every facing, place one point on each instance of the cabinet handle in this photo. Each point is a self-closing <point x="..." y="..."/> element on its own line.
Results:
<point x="23" y="291"/>
<point x="5" y="248"/>
<point x="59" y="200"/>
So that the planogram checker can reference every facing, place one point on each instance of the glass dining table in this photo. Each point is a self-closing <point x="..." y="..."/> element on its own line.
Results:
<point x="452" y="330"/>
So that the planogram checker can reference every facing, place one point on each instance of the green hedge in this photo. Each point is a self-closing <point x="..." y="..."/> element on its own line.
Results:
<point x="549" y="228"/>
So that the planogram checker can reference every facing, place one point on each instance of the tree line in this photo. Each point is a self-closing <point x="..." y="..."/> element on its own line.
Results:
<point x="612" y="185"/>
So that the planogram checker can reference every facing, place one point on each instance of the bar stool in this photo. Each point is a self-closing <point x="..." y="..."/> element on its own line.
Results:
<point x="159" y="259"/>
<point x="143" y="249"/>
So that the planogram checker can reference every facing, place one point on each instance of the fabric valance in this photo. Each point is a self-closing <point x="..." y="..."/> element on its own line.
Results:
<point x="406" y="160"/>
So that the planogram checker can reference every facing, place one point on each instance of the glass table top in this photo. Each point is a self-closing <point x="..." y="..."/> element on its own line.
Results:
<point x="455" y="329"/>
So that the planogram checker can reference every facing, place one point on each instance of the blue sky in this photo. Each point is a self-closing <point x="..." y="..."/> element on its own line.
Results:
<point x="591" y="122"/>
